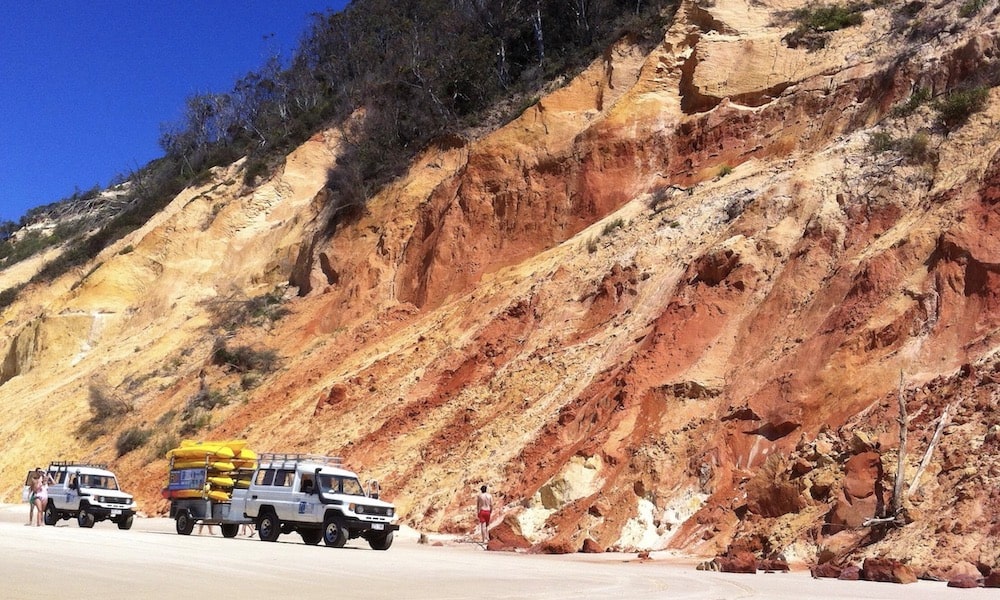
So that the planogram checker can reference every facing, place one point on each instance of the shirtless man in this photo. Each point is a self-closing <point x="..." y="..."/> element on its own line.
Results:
<point x="484" y="507"/>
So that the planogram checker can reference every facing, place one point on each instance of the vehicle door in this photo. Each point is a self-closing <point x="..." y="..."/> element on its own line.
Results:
<point x="308" y="508"/>
<point x="283" y="495"/>
<point x="26" y="491"/>
<point x="66" y="492"/>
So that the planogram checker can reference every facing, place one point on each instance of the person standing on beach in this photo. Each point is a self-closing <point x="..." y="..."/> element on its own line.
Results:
<point x="33" y="483"/>
<point x="484" y="509"/>
<point x="41" y="495"/>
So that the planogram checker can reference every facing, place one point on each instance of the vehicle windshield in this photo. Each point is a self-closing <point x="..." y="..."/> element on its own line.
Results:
<point x="102" y="482"/>
<point x="337" y="484"/>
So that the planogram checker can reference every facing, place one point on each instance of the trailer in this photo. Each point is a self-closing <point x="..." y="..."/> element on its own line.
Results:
<point x="228" y="515"/>
<point x="312" y="495"/>
<point x="213" y="493"/>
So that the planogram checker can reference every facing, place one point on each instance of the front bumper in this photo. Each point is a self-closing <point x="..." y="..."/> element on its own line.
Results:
<point x="358" y="526"/>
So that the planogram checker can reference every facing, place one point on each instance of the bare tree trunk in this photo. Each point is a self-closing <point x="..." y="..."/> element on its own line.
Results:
<point x="942" y="423"/>
<point x="897" y="490"/>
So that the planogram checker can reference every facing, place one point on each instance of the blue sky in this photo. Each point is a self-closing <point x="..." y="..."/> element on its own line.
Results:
<point x="86" y="85"/>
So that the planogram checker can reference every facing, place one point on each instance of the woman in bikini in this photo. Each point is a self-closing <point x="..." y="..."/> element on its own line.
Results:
<point x="41" y="496"/>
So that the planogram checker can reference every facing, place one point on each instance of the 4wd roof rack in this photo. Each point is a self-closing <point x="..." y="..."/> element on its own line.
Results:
<point x="275" y="459"/>
<point x="65" y="464"/>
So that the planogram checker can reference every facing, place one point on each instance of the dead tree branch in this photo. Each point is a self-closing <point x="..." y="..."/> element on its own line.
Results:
<point x="897" y="489"/>
<point x="896" y="515"/>
<point x="942" y="423"/>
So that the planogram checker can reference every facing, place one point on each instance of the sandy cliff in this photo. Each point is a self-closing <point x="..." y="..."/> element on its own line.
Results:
<point x="668" y="306"/>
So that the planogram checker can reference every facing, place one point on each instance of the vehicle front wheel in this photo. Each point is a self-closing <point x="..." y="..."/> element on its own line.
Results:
<point x="268" y="526"/>
<point x="85" y="518"/>
<point x="184" y="523"/>
<point x="51" y="516"/>
<point x="334" y="533"/>
<point x="381" y="542"/>
<point x="125" y="523"/>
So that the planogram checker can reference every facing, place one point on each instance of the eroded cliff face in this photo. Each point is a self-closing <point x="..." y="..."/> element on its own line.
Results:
<point x="671" y="305"/>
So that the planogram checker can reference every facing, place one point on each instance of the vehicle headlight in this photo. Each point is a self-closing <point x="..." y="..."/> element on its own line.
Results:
<point x="361" y="509"/>
<point x="390" y="512"/>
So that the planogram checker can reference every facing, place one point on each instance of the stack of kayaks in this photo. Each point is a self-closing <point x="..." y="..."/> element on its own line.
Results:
<point x="209" y="469"/>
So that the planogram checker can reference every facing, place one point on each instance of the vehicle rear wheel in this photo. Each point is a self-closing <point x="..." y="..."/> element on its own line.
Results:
<point x="184" y="523"/>
<point x="311" y="536"/>
<point x="125" y="523"/>
<point x="85" y="518"/>
<point x="381" y="542"/>
<point x="268" y="526"/>
<point x="51" y="516"/>
<point x="230" y="530"/>
<point x="334" y="533"/>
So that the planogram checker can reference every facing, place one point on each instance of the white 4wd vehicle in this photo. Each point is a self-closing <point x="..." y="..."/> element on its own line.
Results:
<point x="87" y="492"/>
<point x="318" y="498"/>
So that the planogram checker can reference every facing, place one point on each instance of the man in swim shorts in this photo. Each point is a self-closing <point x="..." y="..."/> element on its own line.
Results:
<point x="484" y="508"/>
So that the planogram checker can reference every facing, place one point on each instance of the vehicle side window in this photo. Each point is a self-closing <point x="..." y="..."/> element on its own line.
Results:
<point x="58" y="476"/>
<point x="285" y="478"/>
<point x="265" y="477"/>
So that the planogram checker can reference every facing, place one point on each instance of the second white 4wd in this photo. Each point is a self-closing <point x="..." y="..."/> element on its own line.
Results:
<point x="316" y="497"/>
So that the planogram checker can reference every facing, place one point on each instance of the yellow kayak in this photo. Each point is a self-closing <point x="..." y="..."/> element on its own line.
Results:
<point x="235" y="445"/>
<point x="224" y="482"/>
<point x="202" y="451"/>
<point x="220" y="466"/>
<point x="217" y="495"/>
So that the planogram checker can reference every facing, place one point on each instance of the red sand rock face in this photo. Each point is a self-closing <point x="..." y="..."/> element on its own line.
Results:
<point x="862" y="495"/>
<point x="716" y="354"/>
<point x="887" y="570"/>
<point x="739" y="562"/>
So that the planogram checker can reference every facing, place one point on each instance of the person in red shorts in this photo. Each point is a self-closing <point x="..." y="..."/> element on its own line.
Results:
<point x="484" y="508"/>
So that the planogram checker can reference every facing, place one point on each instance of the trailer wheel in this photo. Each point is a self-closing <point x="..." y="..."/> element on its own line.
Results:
<point x="184" y="523"/>
<point x="268" y="525"/>
<point x="230" y="530"/>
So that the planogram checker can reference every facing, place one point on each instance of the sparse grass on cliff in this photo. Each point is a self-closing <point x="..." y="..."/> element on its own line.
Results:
<point x="106" y="409"/>
<point x="244" y="358"/>
<point x="915" y="148"/>
<point x="919" y="97"/>
<point x="956" y="108"/>
<point x="10" y="294"/>
<point x="131" y="439"/>
<point x="611" y="226"/>
<point x="971" y="8"/>
<point x="814" y="22"/>
<point x="231" y="314"/>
